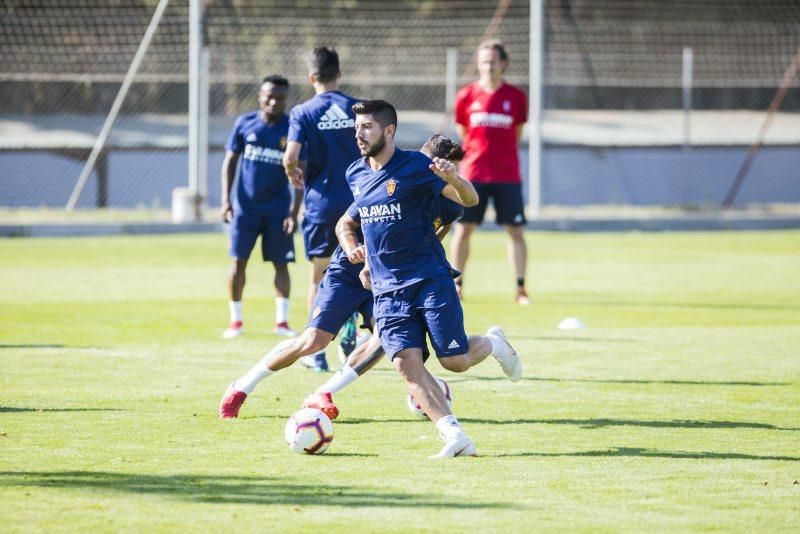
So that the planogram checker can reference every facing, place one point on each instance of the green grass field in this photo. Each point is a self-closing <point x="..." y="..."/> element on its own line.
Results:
<point x="677" y="409"/>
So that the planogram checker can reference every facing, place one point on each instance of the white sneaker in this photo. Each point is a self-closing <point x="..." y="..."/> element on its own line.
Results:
<point x="507" y="357"/>
<point x="458" y="446"/>
<point x="235" y="329"/>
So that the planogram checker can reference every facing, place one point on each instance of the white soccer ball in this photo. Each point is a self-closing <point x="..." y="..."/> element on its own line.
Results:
<point x="309" y="431"/>
<point x="416" y="409"/>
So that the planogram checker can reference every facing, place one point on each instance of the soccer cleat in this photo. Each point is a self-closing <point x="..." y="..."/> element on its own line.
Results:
<point x="235" y="329"/>
<point x="231" y="403"/>
<point x="282" y="329"/>
<point x="507" y="357"/>
<point x="322" y="402"/>
<point x="522" y="297"/>
<point x="316" y="362"/>
<point x="461" y="445"/>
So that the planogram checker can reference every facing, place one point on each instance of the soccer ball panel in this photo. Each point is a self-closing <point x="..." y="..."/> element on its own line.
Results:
<point x="309" y="431"/>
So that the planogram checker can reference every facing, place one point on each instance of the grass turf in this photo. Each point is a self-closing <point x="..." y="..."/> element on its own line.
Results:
<point x="677" y="409"/>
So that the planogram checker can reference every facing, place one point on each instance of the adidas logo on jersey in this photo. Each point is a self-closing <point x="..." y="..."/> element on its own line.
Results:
<point x="290" y="255"/>
<point x="335" y="119"/>
<point x="356" y="191"/>
<point x="453" y="345"/>
<point x="251" y="137"/>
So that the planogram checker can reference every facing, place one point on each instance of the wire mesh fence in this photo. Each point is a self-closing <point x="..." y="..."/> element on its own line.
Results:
<point x="613" y="129"/>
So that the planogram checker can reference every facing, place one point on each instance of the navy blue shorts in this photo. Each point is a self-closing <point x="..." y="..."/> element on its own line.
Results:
<point x="508" y="205"/>
<point x="319" y="239"/>
<point x="276" y="246"/>
<point x="429" y="307"/>
<point x="339" y="295"/>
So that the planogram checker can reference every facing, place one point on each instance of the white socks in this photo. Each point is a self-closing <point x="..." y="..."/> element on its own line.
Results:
<point x="449" y="427"/>
<point x="250" y="380"/>
<point x="340" y="380"/>
<point x="497" y="345"/>
<point x="281" y="310"/>
<point x="236" y="310"/>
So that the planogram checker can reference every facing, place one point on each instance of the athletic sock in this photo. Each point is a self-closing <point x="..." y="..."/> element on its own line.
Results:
<point x="281" y="310"/>
<point x="449" y="427"/>
<point x="340" y="380"/>
<point x="497" y="345"/>
<point x="236" y="310"/>
<point x="521" y="282"/>
<point x="250" y="380"/>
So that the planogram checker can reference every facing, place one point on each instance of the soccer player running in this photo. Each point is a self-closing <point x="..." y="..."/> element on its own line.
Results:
<point x="261" y="206"/>
<point x="323" y="126"/>
<point x="490" y="115"/>
<point x="341" y="293"/>
<point x="412" y="284"/>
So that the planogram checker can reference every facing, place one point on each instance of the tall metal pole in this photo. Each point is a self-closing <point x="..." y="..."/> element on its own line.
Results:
<point x="196" y="101"/>
<point x="687" y="130"/>
<point x="536" y="88"/>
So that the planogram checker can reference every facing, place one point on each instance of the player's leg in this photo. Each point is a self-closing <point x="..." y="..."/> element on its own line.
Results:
<point x="320" y="242"/>
<point x="462" y="233"/>
<point x="278" y="247"/>
<point x="244" y="233"/>
<point x="511" y="215"/>
<point x="282" y="355"/>
<point x="444" y="318"/>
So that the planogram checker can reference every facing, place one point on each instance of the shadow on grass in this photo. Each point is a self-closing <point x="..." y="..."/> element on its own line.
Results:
<point x="15" y="409"/>
<point x="237" y="489"/>
<point x="623" y="381"/>
<point x="600" y="423"/>
<point x="654" y="453"/>
<point x="31" y="346"/>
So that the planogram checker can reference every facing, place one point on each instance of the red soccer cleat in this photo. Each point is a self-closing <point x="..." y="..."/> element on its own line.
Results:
<point x="522" y="297"/>
<point x="231" y="403"/>
<point x="322" y="402"/>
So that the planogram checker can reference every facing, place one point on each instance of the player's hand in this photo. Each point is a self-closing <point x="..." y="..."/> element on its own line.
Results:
<point x="444" y="169"/>
<point x="226" y="212"/>
<point x="366" y="278"/>
<point x="289" y="224"/>
<point x="356" y="255"/>
<point x="297" y="177"/>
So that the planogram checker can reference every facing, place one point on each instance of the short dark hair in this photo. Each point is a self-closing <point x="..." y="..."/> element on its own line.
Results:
<point x="324" y="62"/>
<point x="383" y="111"/>
<point x="276" y="79"/>
<point x="495" y="44"/>
<point x="441" y="146"/>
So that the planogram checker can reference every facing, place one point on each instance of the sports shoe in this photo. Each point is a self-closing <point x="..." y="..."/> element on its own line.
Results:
<point x="460" y="445"/>
<point x="322" y="402"/>
<point x="282" y="329"/>
<point x="235" y="329"/>
<point x="316" y="362"/>
<point x="522" y="297"/>
<point x="507" y="357"/>
<point x="231" y="403"/>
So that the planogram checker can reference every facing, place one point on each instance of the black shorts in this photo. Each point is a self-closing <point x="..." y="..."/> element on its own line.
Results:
<point x="507" y="204"/>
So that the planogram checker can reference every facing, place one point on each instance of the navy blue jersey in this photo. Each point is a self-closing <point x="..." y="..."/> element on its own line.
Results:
<point x="262" y="186"/>
<point x="325" y="127"/>
<point x="444" y="211"/>
<point x="395" y="207"/>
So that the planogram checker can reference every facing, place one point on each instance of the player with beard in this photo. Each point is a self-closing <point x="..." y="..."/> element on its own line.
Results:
<point x="414" y="294"/>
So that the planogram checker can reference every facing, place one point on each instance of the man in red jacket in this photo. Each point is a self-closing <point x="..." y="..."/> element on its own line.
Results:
<point x="490" y="115"/>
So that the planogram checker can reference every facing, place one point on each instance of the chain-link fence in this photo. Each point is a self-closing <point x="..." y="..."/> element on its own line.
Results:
<point x="614" y="130"/>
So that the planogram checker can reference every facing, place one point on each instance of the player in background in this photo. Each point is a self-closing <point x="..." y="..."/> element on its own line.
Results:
<point x="323" y="127"/>
<point x="261" y="205"/>
<point x="412" y="284"/>
<point x="444" y="213"/>
<point x="490" y="115"/>
<point x="340" y="294"/>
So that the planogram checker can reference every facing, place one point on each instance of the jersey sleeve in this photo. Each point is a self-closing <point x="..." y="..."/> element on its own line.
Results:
<point x="353" y="212"/>
<point x="235" y="139"/>
<point x="522" y="110"/>
<point x="451" y="211"/>
<point x="296" y="131"/>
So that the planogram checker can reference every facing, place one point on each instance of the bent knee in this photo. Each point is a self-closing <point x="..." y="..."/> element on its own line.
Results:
<point x="456" y="364"/>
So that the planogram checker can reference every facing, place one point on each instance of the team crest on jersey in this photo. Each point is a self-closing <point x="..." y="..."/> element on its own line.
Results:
<point x="283" y="142"/>
<point x="391" y="185"/>
<point x="437" y="223"/>
<point x="316" y="312"/>
<point x="506" y="106"/>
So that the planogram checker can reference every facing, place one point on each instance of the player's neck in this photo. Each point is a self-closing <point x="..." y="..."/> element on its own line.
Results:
<point x="320" y="88"/>
<point x="490" y="85"/>
<point x="265" y="118"/>
<point x="378" y="161"/>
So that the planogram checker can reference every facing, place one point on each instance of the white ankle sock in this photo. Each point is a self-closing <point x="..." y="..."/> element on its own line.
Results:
<point x="236" y="310"/>
<point x="497" y="344"/>
<point x="340" y="380"/>
<point x="249" y="381"/>
<point x="449" y="427"/>
<point x="281" y="310"/>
